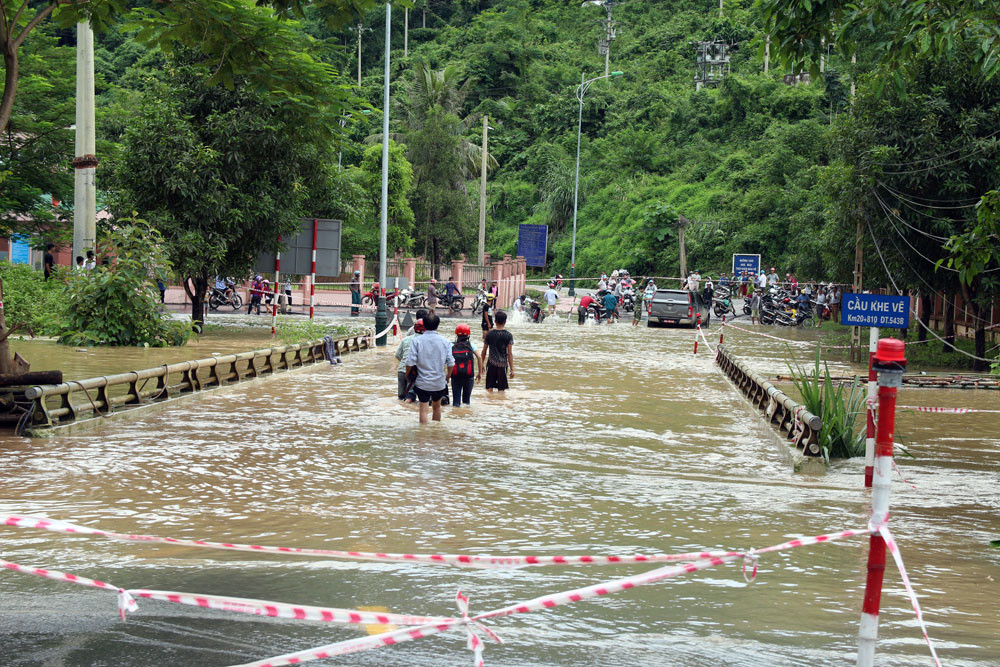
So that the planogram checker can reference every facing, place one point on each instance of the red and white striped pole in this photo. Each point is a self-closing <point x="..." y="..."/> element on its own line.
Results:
<point x="723" y="329"/>
<point x="277" y="278"/>
<point x="889" y="363"/>
<point x="312" y="280"/>
<point x="697" y="328"/>
<point x="870" y="427"/>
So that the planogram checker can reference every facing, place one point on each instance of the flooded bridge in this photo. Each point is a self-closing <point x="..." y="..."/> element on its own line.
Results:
<point x="612" y="440"/>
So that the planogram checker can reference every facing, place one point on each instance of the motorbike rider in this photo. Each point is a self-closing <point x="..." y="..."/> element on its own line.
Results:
<point x="709" y="293"/>
<point x="256" y="293"/>
<point x="451" y="289"/>
<point x="610" y="302"/>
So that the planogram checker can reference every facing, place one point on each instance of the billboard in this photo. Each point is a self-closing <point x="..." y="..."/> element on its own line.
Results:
<point x="296" y="259"/>
<point x="748" y="263"/>
<point x="532" y="243"/>
<point x="875" y="310"/>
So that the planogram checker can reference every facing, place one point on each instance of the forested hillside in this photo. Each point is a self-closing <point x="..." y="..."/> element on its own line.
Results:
<point x="743" y="159"/>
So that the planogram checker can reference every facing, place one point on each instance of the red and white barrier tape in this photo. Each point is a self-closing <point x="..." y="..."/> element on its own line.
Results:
<point x="947" y="411"/>
<point x="544" y="602"/>
<point x="385" y="331"/>
<point x="125" y="601"/>
<point x="709" y="345"/>
<point x="890" y="544"/>
<point x="481" y="561"/>
<point x="764" y="335"/>
<point x="426" y="626"/>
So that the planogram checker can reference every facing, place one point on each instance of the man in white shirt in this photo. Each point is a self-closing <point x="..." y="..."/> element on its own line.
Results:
<point x="551" y="296"/>
<point x="762" y="281"/>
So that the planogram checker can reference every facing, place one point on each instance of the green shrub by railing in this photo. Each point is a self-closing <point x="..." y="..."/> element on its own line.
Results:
<point x="838" y="406"/>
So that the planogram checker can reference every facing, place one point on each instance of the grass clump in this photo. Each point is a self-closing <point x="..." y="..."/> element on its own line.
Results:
<point x="838" y="407"/>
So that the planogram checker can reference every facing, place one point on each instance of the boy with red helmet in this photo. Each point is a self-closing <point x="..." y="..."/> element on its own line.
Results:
<point x="466" y="359"/>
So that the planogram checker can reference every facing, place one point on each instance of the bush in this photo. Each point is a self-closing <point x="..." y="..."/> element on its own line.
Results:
<point x="838" y="407"/>
<point x="118" y="303"/>
<point x="32" y="302"/>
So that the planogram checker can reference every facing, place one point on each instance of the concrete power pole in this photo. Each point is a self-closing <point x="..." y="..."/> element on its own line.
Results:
<point x="767" y="54"/>
<point x="482" y="195"/>
<point x="359" y="53"/>
<point x="85" y="160"/>
<point x="406" y="32"/>
<point x="682" y="222"/>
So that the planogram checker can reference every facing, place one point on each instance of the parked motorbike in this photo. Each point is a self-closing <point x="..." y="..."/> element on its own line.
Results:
<point x="370" y="298"/>
<point x="410" y="299"/>
<point x="480" y="302"/>
<point x="724" y="306"/>
<point x="219" y="297"/>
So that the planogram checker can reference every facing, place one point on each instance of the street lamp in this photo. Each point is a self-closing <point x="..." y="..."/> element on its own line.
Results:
<point x="581" y="90"/>
<point x="381" y="316"/>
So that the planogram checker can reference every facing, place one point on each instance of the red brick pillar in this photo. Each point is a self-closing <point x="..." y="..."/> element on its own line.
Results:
<point x="359" y="265"/>
<point x="410" y="271"/>
<point x="458" y="271"/>
<point x="507" y="272"/>
<point x="498" y="279"/>
<point x="519" y="270"/>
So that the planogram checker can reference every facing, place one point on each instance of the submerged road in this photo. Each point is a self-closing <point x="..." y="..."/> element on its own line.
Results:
<point x="613" y="440"/>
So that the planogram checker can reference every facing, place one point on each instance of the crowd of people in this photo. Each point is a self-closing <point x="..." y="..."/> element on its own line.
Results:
<point x="612" y="291"/>
<point x="428" y="362"/>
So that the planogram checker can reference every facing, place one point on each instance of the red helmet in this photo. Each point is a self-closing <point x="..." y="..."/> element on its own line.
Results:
<point x="463" y="330"/>
<point x="418" y="326"/>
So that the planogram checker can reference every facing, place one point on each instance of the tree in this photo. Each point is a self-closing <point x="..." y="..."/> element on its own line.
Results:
<point x="443" y="209"/>
<point x="36" y="148"/>
<point x="899" y="32"/>
<point x="400" y="223"/>
<point x="234" y="36"/>
<point x="220" y="173"/>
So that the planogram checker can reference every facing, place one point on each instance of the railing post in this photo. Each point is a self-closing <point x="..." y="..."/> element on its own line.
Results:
<point x="889" y="363"/>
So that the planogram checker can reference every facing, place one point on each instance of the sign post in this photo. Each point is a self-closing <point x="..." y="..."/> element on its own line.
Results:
<point x="532" y="243"/>
<point x="748" y="263"/>
<point x="875" y="311"/>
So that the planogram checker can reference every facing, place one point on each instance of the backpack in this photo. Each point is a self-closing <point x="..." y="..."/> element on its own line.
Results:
<point x="462" y="351"/>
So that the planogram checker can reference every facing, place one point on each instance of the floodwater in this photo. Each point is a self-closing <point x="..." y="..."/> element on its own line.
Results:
<point x="612" y="440"/>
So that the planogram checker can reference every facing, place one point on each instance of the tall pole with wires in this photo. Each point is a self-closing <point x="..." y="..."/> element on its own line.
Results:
<point x="381" y="316"/>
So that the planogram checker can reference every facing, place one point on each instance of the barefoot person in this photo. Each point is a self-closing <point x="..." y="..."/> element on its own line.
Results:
<point x="431" y="355"/>
<point x="499" y="344"/>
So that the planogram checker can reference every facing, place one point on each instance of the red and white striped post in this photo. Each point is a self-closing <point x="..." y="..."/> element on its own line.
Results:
<point x="312" y="280"/>
<point x="870" y="426"/>
<point x="889" y="363"/>
<point x="723" y="329"/>
<point x="277" y="278"/>
<point x="697" y="329"/>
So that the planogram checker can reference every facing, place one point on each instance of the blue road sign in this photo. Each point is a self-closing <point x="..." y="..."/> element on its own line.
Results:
<point x="875" y="310"/>
<point x="748" y="263"/>
<point x="532" y="243"/>
<point x="20" y="249"/>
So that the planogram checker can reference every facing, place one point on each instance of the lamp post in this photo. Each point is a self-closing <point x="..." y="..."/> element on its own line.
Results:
<point x="381" y="317"/>
<point x="581" y="90"/>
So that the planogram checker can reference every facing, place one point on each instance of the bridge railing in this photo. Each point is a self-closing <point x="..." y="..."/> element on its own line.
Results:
<point x="798" y="424"/>
<point x="58" y="404"/>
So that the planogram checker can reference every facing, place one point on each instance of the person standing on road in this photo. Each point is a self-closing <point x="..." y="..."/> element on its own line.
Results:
<point x="466" y="358"/>
<point x="762" y="281"/>
<point x="48" y="261"/>
<point x="755" y="308"/>
<point x="355" y="293"/>
<point x="256" y="292"/>
<point x="610" y="303"/>
<point x="834" y="301"/>
<point x="709" y="293"/>
<point x="640" y="303"/>
<point x="551" y="296"/>
<point x="431" y="355"/>
<point x="403" y="356"/>
<point x="287" y="289"/>
<point x="432" y="295"/>
<point x="772" y="278"/>
<point x="500" y="344"/>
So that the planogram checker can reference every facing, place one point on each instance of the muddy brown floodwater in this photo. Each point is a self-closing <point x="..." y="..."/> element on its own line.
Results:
<point x="612" y="440"/>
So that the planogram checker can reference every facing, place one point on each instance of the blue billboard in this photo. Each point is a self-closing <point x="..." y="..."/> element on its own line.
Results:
<point x="748" y="263"/>
<point x="532" y="243"/>
<point x="875" y="310"/>
<point x="20" y="249"/>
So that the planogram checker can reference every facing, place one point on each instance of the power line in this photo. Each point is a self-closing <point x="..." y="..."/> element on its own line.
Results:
<point x="936" y="157"/>
<point x="934" y="237"/>
<point x="900" y="195"/>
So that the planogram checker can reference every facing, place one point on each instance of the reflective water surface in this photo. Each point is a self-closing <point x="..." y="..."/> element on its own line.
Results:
<point x="612" y="440"/>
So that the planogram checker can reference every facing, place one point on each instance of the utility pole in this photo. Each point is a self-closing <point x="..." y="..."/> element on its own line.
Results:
<point x="85" y="160"/>
<point x="482" y="195"/>
<point x="406" y="31"/>
<point x="381" y="316"/>
<point x="767" y="54"/>
<point x="859" y="264"/>
<point x="854" y="61"/>
<point x="360" y="28"/>
<point x="682" y="222"/>
<point x="610" y="32"/>
<point x="720" y="9"/>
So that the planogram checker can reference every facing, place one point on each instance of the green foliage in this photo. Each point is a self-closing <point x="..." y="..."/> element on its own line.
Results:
<point x="292" y="331"/>
<point x="400" y="222"/>
<point x="838" y="407"/>
<point x="118" y="303"/>
<point x="31" y="303"/>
